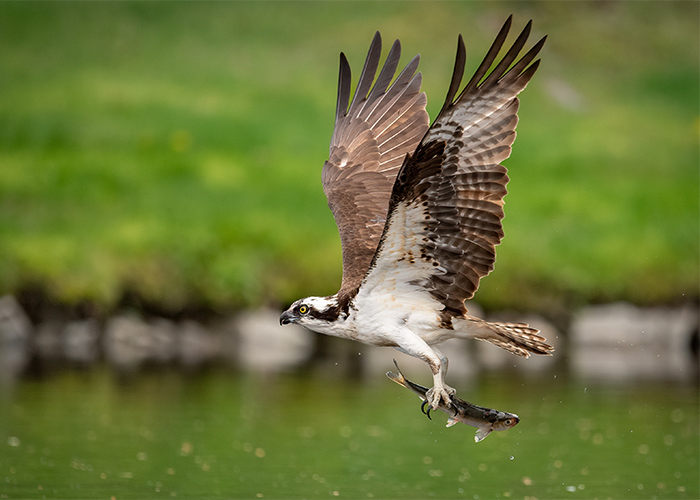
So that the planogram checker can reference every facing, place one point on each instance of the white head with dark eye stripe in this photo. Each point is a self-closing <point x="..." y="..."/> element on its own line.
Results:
<point x="319" y="314"/>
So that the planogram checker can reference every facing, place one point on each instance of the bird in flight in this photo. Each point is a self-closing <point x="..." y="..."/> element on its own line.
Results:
<point x="419" y="207"/>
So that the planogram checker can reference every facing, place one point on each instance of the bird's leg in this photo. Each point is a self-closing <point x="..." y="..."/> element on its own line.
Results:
<point x="440" y="392"/>
<point x="415" y="346"/>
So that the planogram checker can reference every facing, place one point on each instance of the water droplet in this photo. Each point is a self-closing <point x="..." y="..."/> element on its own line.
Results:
<point x="677" y="416"/>
<point x="512" y="457"/>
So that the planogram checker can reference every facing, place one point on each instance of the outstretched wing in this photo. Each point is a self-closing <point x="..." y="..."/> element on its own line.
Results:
<point x="371" y="138"/>
<point x="447" y="204"/>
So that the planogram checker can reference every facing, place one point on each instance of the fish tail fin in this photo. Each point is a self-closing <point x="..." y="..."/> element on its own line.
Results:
<point x="481" y="434"/>
<point x="397" y="377"/>
<point x="519" y="338"/>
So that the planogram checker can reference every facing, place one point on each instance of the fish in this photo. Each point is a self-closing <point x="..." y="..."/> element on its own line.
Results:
<point x="486" y="420"/>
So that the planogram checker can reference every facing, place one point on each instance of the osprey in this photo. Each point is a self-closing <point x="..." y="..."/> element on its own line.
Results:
<point x="419" y="207"/>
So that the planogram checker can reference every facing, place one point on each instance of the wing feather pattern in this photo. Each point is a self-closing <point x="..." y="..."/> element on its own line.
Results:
<point x="372" y="135"/>
<point x="446" y="206"/>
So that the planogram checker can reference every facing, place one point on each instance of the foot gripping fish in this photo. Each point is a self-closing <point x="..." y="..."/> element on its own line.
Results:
<point x="485" y="420"/>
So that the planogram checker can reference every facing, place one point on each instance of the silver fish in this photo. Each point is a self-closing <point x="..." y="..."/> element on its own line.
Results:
<point x="485" y="420"/>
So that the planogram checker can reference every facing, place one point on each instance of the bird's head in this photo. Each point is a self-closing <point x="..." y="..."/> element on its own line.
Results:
<point x="315" y="313"/>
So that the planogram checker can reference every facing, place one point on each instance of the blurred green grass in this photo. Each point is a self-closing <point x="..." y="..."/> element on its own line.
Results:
<point x="173" y="150"/>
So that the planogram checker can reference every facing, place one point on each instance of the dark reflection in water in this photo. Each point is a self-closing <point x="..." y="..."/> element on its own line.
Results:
<point x="90" y="434"/>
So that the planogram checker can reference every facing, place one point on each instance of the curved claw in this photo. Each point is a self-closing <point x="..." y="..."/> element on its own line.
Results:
<point x="426" y="412"/>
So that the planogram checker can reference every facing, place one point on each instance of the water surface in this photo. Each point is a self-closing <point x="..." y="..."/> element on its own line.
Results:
<point x="221" y="434"/>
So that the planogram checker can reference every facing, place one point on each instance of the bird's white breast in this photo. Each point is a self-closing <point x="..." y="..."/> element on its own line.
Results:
<point x="393" y="297"/>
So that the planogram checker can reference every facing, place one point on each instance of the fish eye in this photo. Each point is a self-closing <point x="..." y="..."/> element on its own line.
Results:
<point x="303" y="309"/>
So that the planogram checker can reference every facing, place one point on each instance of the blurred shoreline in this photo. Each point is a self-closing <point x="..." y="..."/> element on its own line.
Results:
<point x="612" y="342"/>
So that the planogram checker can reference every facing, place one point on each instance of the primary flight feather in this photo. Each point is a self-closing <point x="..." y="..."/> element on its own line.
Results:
<point x="419" y="207"/>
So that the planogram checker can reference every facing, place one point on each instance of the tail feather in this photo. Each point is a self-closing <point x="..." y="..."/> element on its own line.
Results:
<point x="518" y="338"/>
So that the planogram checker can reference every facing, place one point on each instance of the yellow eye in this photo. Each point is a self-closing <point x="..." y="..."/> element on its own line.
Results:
<point x="303" y="309"/>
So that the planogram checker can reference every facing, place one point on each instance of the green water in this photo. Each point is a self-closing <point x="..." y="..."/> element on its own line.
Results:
<point x="228" y="435"/>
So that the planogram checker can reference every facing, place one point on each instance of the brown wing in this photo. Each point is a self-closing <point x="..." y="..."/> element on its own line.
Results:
<point x="447" y="204"/>
<point x="370" y="140"/>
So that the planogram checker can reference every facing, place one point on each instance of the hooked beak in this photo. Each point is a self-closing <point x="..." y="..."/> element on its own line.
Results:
<point x="287" y="317"/>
